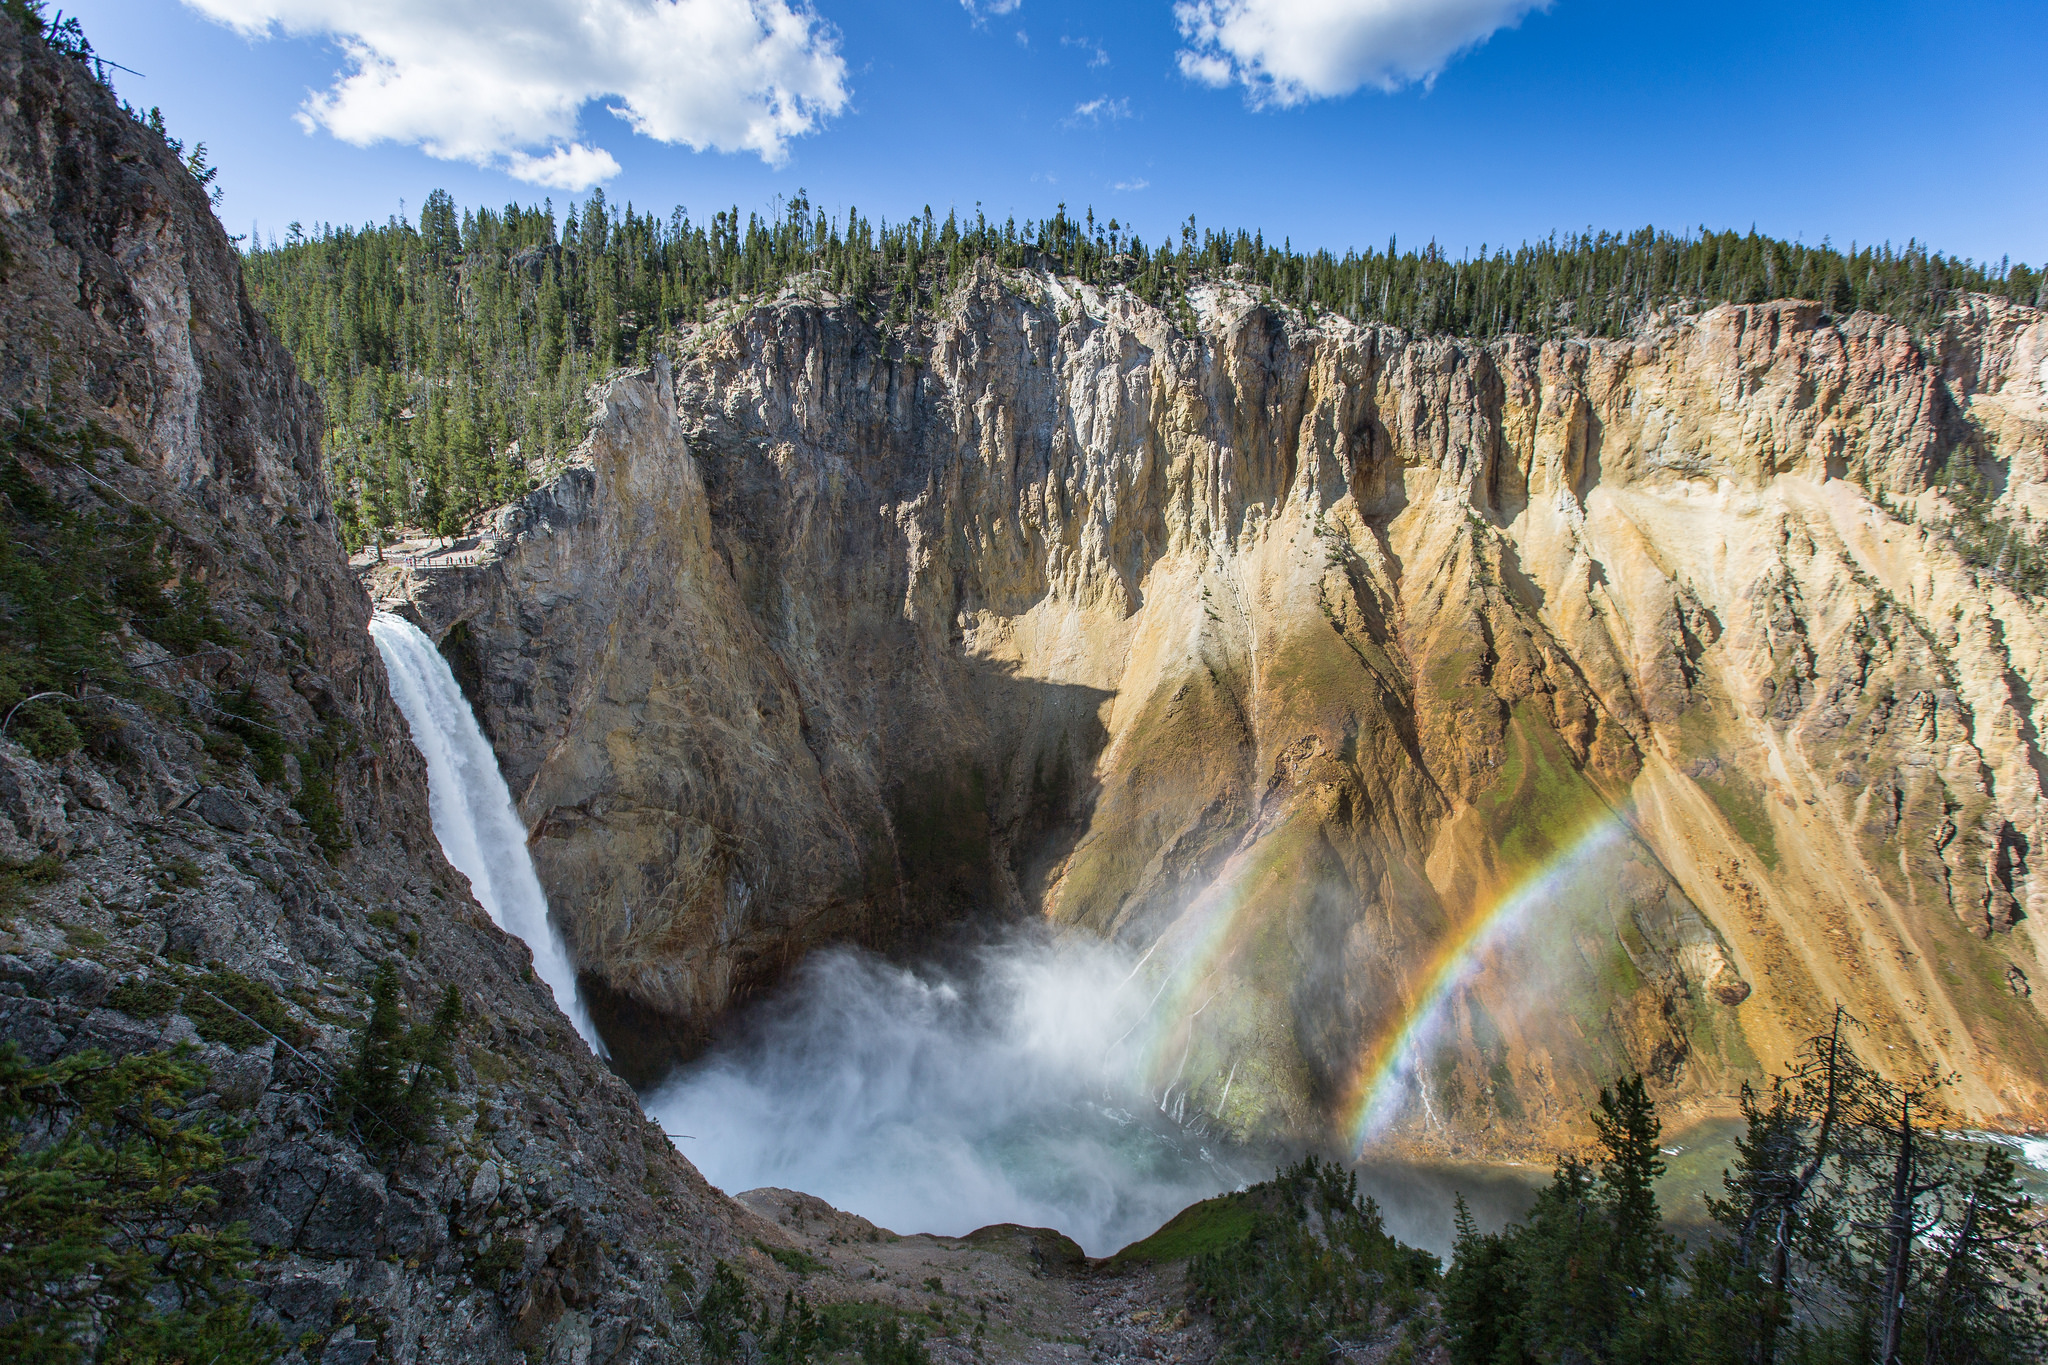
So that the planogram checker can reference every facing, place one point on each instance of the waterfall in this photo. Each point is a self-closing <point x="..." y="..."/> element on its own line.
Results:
<point x="474" y="819"/>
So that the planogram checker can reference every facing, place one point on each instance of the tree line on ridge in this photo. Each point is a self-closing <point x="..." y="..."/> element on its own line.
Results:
<point x="453" y="353"/>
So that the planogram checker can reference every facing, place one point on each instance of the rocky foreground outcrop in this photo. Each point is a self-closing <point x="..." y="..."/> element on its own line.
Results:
<point x="152" y="871"/>
<point x="1452" y="725"/>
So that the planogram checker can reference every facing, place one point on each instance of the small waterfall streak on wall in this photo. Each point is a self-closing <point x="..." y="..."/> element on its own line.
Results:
<point x="474" y="818"/>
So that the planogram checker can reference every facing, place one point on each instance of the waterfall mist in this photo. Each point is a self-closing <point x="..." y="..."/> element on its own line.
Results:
<point x="474" y="818"/>
<point x="934" y="1100"/>
<point x="1006" y="1088"/>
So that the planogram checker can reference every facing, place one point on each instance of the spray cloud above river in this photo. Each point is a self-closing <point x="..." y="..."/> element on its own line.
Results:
<point x="930" y="1100"/>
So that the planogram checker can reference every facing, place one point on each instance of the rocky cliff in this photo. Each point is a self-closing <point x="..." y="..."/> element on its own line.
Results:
<point x="241" y="825"/>
<point x="1451" y="724"/>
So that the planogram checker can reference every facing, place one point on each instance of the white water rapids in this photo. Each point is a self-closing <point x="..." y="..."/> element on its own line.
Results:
<point x="474" y="818"/>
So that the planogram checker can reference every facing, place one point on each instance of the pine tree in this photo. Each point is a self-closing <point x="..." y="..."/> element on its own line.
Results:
<point x="111" y="1251"/>
<point x="1481" y="1297"/>
<point x="1895" y="1123"/>
<point x="1989" y="1292"/>
<point x="387" y="1093"/>
<point x="1626" y="1121"/>
<point x="1560" y="1257"/>
<point x="376" y="1079"/>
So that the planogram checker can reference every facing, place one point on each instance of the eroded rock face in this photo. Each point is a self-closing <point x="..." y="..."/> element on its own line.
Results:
<point x="546" y="1217"/>
<point x="1456" y="724"/>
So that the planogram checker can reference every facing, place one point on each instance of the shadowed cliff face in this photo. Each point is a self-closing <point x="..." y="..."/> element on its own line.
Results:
<point x="1449" y="726"/>
<point x="169" y="866"/>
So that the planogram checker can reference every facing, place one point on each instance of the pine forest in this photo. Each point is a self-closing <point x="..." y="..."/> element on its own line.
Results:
<point x="453" y="355"/>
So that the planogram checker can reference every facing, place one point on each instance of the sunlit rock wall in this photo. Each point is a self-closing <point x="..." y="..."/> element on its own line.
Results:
<point x="1456" y="724"/>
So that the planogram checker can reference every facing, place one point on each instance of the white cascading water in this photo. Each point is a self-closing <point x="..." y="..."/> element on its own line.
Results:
<point x="474" y="818"/>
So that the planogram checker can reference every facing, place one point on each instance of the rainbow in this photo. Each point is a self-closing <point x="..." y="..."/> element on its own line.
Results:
<point x="1389" y="1065"/>
<point x="1204" y="936"/>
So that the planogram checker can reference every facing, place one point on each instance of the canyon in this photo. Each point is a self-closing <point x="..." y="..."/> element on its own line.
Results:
<point x="1448" y="726"/>
<point x="1437" y="728"/>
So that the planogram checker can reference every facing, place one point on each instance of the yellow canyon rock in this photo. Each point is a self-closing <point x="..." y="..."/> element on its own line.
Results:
<point x="1618" y="704"/>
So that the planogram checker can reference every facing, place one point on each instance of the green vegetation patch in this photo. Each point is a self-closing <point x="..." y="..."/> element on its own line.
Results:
<point x="2012" y="551"/>
<point x="390" y="1095"/>
<point x="1540" y="801"/>
<point x="17" y="879"/>
<point x="1316" y="1267"/>
<point x="505" y="1256"/>
<point x="227" y="1007"/>
<point x="1197" y="1230"/>
<point x="1744" y="804"/>
<point x="111" y="1238"/>
<point x="793" y="1259"/>
<point x="316" y="800"/>
<point x="145" y="998"/>
<point x="728" y="1313"/>
<point x="74" y="570"/>
<point x="251" y="723"/>
<point x="1746" y="808"/>
<point x="848" y="1321"/>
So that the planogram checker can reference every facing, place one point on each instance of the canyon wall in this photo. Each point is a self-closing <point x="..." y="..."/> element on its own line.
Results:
<point x="1450" y="725"/>
<point x="160" y="880"/>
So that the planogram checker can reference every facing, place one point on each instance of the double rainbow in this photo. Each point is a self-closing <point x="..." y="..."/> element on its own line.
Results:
<point x="1387" y="1069"/>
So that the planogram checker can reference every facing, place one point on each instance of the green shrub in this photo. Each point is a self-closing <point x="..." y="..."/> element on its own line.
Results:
<point x="109" y="1254"/>
<point x="505" y="1256"/>
<point x="74" y="570"/>
<point x="144" y="997"/>
<point x="16" y="878"/>
<point x="224" y="749"/>
<point x="887" y="1343"/>
<point x="1316" y="1264"/>
<point x="250" y="721"/>
<point x="798" y="1334"/>
<point x="43" y="725"/>
<point x="316" y="802"/>
<point x="722" y="1313"/>
<point x="207" y="1006"/>
<point x="793" y="1259"/>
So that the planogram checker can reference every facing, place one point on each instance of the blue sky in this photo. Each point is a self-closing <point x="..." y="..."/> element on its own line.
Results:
<point x="1330" y="122"/>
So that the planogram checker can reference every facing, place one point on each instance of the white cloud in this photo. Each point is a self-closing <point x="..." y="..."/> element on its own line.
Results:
<point x="1098" y="54"/>
<point x="1098" y="110"/>
<point x="1208" y="69"/>
<point x="987" y="7"/>
<point x="574" y="167"/>
<point x="1132" y="186"/>
<point x="502" y="82"/>
<point x="1287" y="51"/>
